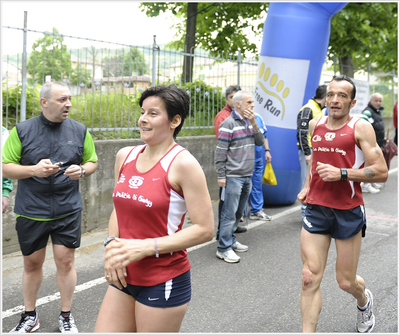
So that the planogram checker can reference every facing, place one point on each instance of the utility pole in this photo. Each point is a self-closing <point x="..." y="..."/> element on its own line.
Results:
<point x="23" y="93"/>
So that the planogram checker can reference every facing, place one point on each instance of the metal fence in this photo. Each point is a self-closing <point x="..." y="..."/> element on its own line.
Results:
<point x="106" y="80"/>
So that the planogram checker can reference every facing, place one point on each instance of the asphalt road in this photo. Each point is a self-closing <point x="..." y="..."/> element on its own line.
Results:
<point x="261" y="294"/>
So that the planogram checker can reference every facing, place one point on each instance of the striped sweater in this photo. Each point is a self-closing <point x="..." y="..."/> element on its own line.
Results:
<point x="234" y="155"/>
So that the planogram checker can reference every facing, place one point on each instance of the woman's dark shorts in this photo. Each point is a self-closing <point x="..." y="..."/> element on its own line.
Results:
<point x="175" y="292"/>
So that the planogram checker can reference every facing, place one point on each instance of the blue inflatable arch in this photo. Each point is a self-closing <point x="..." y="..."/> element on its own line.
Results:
<point x="293" y="51"/>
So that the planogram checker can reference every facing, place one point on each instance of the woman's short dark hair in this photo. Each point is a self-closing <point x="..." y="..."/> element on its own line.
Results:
<point x="176" y="101"/>
<point x="344" y="77"/>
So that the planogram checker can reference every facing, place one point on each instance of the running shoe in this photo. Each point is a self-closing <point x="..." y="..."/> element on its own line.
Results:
<point x="368" y="188"/>
<point x="239" y="247"/>
<point x="67" y="324"/>
<point x="27" y="324"/>
<point x="260" y="215"/>
<point x="366" y="319"/>
<point x="228" y="256"/>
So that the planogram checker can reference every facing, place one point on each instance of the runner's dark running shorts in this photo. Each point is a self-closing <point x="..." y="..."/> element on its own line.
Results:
<point x="175" y="292"/>
<point x="340" y="224"/>
<point x="33" y="235"/>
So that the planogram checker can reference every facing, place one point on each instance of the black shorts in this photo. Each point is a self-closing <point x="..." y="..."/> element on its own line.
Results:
<point x="33" y="235"/>
<point x="340" y="224"/>
<point x="175" y="292"/>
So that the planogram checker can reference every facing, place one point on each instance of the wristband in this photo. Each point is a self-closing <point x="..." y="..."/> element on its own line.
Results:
<point x="343" y="174"/>
<point x="155" y="245"/>
<point x="267" y="150"/>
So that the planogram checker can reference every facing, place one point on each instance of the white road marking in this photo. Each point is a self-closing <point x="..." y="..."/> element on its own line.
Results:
<point x="95" y="282"/>
<point x="50" y="298"/>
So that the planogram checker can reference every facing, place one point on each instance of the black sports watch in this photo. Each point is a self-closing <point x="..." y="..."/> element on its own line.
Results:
<point x="108" y="240"/>
<point x="83" y="172"/>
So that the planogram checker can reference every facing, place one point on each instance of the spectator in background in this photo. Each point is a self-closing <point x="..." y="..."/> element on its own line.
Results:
<point x="256" y="195"/>
<point x="227" y="110"/>
<point x="234" y="161"/>
<point x="221" y="116"/>
<point x="7" y="182"/>
<point x="373" y="113"/>
<point x="311" y="110"/>
<point x="395" y="122"/>
<point x="48" y="154"/>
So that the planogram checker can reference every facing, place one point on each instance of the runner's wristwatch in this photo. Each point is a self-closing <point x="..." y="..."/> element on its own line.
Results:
<point x="83" y="172"/>
<point x="108" y="240"/>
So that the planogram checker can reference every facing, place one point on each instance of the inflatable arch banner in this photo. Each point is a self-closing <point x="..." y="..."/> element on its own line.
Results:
<point x="293" y="51"/>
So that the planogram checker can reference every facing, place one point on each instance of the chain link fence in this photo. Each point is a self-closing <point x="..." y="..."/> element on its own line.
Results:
<point x="106" y="80"/>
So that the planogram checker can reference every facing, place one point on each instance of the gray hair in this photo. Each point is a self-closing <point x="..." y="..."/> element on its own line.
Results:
<point x="239" y="95"/>
<point x="45" y="91"/>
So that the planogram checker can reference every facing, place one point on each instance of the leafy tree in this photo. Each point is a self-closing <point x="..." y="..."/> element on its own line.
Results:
<point x="361" y="33"/>
<point x="50" y="57"/>
<point x="134" y="62"/>
<point x="113" y="66"/>
<point x="124" y="63"/>
<point x="12" y="103"/>
<point x="365" y="34"/>
<point x="219" y="27"/>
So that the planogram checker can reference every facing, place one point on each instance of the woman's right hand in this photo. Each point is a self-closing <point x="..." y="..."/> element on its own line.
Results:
<point x="115" y="276"/>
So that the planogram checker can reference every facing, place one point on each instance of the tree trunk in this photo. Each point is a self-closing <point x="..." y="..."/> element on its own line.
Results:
<point x="190" y="40"/>
<point x="346" y="66"/>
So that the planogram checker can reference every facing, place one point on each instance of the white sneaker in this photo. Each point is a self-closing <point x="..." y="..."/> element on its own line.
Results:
<point x="366" y="319"/>
<point x="368" y="188"/>
<point x="378" y="185"/>
<point x="67" y="324"/>
<point x="27" y="324"/>
<point x="260" y="215"/>
<point x="228" y="256"/>
<point x="239" y="247"/>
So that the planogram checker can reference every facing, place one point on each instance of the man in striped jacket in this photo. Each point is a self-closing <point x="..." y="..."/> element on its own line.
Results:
<point x="234" y="161"/>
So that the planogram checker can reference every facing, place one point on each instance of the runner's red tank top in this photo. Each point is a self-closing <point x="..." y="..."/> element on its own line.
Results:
<point x="338" y="148"/>
<point x="147" y="206"/>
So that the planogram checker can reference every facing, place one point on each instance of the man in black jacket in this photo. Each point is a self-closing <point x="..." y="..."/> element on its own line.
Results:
<point x="373" y="112"/>
<point x="48" y="154"/>
<point x="311" y="110"/>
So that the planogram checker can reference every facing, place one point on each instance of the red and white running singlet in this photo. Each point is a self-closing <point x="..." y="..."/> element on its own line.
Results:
<point x="147" y="206"/>
<point x="338" y="148"/>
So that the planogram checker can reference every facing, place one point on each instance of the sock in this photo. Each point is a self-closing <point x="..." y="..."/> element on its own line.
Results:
<point x="30" y="313"/>
<point x="363" y="308"/>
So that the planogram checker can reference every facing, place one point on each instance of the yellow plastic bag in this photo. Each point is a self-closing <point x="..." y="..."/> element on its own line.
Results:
<point x="269" y="175"/>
